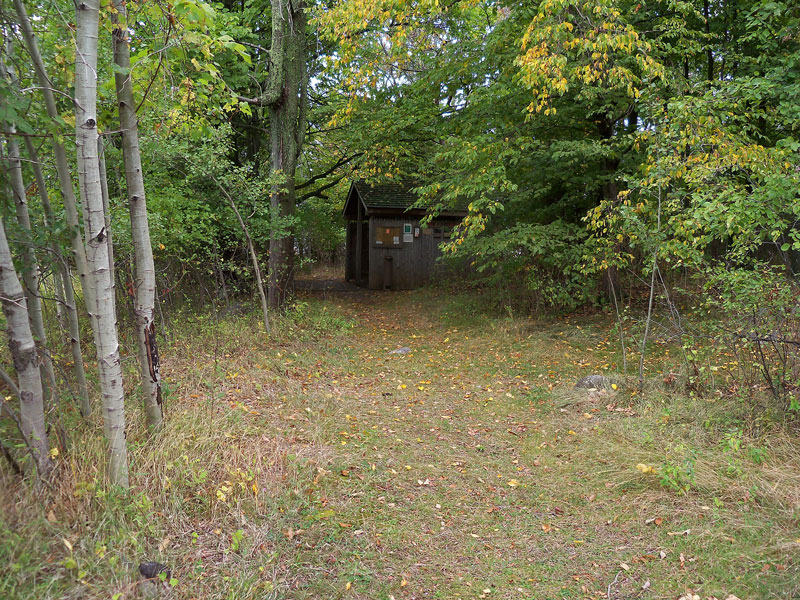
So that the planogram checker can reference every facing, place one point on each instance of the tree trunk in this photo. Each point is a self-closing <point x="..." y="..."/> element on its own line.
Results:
<point x="62" y="165"/>
<point x="145" y="281"/>
<point x="288" y="88"/>
<point x="100" y="279"/>
<point x="25" y="357"/>
<point x="252" y="250"/>
<point x="101" y="153"/>
<point x="31" y="273"/>
<point x="65" y="295"/>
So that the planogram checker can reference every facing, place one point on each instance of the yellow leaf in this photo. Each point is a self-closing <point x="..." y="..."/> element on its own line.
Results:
<point x="348" y="586"/>
<point x="646" y="469"/>
<point x="513" y="483"/>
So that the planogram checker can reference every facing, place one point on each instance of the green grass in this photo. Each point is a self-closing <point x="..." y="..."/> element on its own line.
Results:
<point x="465" y="469"/>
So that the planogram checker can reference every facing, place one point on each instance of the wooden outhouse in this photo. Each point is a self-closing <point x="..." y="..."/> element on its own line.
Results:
<point x="387" y="247"/>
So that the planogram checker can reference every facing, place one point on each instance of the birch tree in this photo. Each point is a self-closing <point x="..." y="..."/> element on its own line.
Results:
<point x="25" y="357"/>
<point x="65" y="294"/>
<point x="30" y="274"/>
<point x="62" y="164"/>
<point x="145" y="283"/>
<point x="100" y="279"/>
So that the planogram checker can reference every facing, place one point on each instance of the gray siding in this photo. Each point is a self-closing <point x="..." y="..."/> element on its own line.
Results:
<point x="412" y="264"/>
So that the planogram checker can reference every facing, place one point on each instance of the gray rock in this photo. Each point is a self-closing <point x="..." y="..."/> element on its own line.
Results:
<point x="151" y="584"/>
<point x="403" y="350"/>
<point x="593" y="382"/>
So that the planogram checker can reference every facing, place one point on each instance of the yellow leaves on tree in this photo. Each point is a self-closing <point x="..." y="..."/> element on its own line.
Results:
<point x="584" y="45"/>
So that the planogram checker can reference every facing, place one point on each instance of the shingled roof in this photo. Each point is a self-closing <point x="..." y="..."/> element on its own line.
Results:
<point x="385" y="197"/>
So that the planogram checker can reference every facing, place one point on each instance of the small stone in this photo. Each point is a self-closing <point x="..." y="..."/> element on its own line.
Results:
<point x="594" y="382"/>
<point x="151" y="570"/>
<point x="151" y="585"/>
<point x="403" y="350"/>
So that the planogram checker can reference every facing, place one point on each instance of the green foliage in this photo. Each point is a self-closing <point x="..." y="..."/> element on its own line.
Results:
<point x="677" y="473"/>
<point x="315" y="319"/>
<point x="543" y="260"/>
<point x="320" y="230"/>
<point x="753" y="314"/>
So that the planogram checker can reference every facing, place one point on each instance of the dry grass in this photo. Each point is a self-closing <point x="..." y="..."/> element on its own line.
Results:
<point x="468" y="465"/>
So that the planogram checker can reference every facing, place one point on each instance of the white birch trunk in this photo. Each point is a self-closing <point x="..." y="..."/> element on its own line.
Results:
<point x="99" y="277"/>
<point x="65" y="295"/>
<point x="145" y="279"/>
<point x="62" y="164"/>
<point x="107" y="212"/>
<point x="25" y="357"/>
<point x="31" y="273"/>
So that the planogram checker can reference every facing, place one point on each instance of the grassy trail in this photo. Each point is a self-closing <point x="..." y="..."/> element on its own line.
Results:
<point x="323" y="465"/>
<point x="467" y="469"/>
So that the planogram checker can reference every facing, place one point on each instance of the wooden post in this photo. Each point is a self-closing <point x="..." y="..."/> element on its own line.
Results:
<point x="359" y="241"/>
<point x="348" y="257"/>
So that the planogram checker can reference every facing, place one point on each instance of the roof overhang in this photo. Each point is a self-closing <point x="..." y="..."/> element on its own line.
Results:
<point x="354" y="198"/>
<point x="350" y="210"/>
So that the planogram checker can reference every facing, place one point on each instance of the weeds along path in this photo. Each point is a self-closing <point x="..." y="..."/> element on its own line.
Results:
<point x="465" y="468"/>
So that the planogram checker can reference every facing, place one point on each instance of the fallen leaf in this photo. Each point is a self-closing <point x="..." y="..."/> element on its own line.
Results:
<point x="684" y="532"/>
<point x="292" y="533"/>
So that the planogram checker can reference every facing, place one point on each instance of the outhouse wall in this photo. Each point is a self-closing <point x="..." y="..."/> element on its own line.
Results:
<point x="412" y="264"/>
